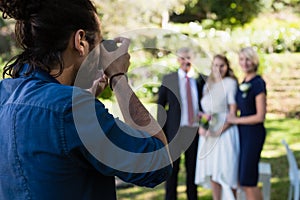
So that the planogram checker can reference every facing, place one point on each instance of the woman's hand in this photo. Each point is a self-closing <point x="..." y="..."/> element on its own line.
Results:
<point x="232" y="119"/>
<point x="99" y="84"/>
<point x="202" y="131"/>
<point x="117" y="61"/>
<point x="208" y="133"/>
<point x="214" y="133"/>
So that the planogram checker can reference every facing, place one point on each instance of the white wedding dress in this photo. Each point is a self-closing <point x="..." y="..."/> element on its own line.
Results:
<point x="217" y="157"/>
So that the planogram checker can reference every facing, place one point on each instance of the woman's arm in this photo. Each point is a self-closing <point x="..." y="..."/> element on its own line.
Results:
<point x="133" y="111"/>
<point x="232" y="111"/>
<point x="115" y="64"/>
<point x="259" y="117"/>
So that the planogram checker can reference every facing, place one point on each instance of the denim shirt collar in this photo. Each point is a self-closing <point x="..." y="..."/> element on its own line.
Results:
<point x="39" y="74"/>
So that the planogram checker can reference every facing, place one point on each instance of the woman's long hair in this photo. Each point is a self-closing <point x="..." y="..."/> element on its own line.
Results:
<point x="229" y="73"/>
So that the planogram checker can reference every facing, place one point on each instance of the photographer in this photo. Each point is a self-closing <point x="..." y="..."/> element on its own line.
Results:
<point x="57" y="140"/>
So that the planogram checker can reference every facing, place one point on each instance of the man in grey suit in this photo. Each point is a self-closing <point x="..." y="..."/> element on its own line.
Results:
<point x="178" y="105"/>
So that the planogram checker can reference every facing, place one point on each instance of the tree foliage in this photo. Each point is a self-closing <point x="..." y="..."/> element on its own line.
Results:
<point x="278" y="5"/>
<point x="223" y="13"/>
<point x="230" y="13"/>
<point x="119" y="16"/>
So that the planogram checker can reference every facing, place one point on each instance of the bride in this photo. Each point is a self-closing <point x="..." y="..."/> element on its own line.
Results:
<point x="218" y="150"/>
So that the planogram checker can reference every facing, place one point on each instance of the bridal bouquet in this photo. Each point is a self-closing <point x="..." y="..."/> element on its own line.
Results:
<point x="207" y="120"/>
<point x="213" y="123"/>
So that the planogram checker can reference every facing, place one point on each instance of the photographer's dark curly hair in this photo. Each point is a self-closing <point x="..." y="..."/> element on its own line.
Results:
<point x="43" y="29"/>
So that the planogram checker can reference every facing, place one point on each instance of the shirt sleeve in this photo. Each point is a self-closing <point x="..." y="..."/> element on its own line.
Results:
<point x="231" y="87"/>
<point x="260" y="87"/>
<point x="115" y="149"/>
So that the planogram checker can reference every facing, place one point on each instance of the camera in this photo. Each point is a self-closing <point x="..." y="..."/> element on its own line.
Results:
<point x="110" y="45"/>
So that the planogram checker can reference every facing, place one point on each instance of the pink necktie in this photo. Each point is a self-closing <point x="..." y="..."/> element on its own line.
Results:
<point x="189" y="101"/>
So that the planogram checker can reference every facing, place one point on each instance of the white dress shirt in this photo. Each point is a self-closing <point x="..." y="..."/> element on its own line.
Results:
<point x="182" y="89"/>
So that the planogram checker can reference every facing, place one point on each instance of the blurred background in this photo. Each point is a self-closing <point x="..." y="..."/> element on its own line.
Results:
<point x="158" y="28"/>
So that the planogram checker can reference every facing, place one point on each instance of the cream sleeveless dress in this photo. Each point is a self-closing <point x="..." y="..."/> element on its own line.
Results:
<point x="217" y="157"/>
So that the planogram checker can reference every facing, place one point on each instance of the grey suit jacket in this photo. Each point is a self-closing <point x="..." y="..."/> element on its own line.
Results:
<point x="169" y="100"/>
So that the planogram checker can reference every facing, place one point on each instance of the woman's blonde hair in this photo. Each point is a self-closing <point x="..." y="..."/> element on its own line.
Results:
<point x="251" y="54"/>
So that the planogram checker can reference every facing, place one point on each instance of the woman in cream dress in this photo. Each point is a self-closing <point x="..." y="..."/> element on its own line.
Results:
<point x="218" y="150"/>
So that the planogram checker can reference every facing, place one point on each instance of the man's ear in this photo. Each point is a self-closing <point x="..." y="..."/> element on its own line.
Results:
<point x="81" y="45"/>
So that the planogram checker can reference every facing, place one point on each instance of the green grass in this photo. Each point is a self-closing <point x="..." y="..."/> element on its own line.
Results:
<point x="278" y="128"/>
<point x="274" y="152"/>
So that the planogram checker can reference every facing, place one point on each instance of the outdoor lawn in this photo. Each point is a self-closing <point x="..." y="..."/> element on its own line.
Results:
<point x="278" y="128"/>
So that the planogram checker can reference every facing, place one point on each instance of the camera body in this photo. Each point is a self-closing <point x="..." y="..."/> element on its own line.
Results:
<point x="110" y="45"/>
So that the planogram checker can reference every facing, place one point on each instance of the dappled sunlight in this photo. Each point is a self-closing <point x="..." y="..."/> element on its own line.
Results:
<point x="272" y="153"/>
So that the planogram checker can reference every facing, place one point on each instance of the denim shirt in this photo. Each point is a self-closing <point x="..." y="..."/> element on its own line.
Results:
<point x="53" y="146"/>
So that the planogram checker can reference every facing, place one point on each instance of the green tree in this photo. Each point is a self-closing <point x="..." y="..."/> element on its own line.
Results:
<point x="134" y="14"/>
<point x="222" y="13"/>
<point x="278" y="5"/>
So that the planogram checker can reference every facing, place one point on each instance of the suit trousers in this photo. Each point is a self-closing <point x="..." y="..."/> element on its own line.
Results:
<point x="190" y="155"/>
